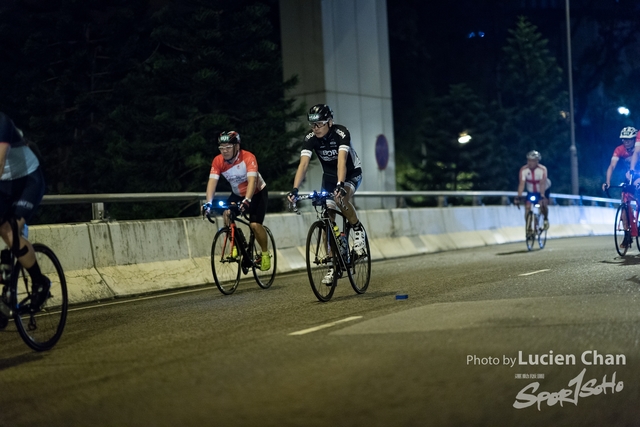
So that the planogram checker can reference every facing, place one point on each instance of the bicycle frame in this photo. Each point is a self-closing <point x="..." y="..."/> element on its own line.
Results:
<point x="237" y="236"/>
<point x="319" y="202"/>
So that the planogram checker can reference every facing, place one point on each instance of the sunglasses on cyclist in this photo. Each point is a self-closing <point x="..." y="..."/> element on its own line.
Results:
<point x="317" y="125"/>
<point x="225" y="147"/>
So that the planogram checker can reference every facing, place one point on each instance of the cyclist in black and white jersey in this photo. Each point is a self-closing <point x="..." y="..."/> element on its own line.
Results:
<point x="21" y="190"/>
<point x="342" y="173"/>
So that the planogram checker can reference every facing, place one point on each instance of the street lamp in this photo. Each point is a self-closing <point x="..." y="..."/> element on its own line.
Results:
<point x="623" y="111"/>
<point x="573" y="150"/>
<point x="463" y="138"/>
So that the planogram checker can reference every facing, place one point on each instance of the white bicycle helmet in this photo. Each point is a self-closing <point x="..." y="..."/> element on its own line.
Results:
<point x="628" y="132"/>
<point x="534" y="155"/>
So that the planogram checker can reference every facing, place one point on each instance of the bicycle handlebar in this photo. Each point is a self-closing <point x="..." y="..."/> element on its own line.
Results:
<point x="317" y="199"/>
<point x="233" y="208"/>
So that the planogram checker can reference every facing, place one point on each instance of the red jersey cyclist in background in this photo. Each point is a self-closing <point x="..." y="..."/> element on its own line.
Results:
<point x="248" y="188"/>
<point x="533" y="176"/>
<point x="628" y="153"/>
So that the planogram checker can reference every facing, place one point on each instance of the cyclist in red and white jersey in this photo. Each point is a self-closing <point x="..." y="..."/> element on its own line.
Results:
<point x="249" y="190"/>
<point x="627" y="152"/>
<point x="533" y="176"/>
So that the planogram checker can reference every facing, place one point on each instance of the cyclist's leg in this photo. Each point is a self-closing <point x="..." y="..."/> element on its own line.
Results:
<point x="28" y="192"/>
<point x="544" y="208"/>
<point x="257" y="212"/>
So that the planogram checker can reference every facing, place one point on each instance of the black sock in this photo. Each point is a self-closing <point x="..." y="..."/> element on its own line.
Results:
<point x="34" y="272"/>
<point x="357" y="226"/>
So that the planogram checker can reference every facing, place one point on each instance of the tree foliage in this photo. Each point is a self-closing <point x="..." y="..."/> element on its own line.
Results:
<point x="531" y="105"/>
<point x="124" y="98"/>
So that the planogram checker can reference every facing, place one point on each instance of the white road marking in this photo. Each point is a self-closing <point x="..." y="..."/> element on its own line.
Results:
<point x="134" y="299"/>
<point x="534" y="272"/>
<point x="326" y="325"/>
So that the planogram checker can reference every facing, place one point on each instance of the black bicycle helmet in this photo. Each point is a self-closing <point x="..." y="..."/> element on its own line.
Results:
<point x="231" y="137"/>
<point x="319" y="113"/>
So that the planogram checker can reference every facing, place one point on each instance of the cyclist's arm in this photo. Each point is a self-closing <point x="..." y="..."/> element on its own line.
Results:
<point x="342" y="164"/>
<point x="4" y="149"/>
<point x="251" y="186"/>
<point x="521" y="183"/>
<point x="543" y="181"/>
<point x="634" y="156"/>
<point x="211" y="189"/>
<point x="302" y="171"/>
<point x="612" y="166"/>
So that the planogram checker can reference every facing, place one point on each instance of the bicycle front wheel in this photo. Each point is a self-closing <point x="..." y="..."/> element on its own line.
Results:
<point x="41" y="330"/>
<point x="542" y="233"/>
<point x="359" y="270"/>
<point x="320" y="262"/>
<point x="225" y="266"/>
<point x="264" y="277"/>
<point x="621" y="234"/>
<point x="530" y="230"/>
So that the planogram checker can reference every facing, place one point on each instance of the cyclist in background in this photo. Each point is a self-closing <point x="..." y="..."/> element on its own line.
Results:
<point x="248" y="188"/>
<point x="21" y="190"/>
<point x="341" y="167"/>
<point x="533" y="176"/>
<point x="625" y="151"/>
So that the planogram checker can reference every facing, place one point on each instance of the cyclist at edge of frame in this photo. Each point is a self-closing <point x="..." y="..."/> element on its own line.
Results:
<point x="534" y="177"/>
<point x="341" y="167"/>
<point x="249" y="190"/>
<point x="627" y="151"/>
<point x="21" y="190"/>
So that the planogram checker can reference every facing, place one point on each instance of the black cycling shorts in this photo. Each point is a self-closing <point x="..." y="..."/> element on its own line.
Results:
<point x="258" y="206"/>
<point x="329" y="182"/>
<point x="20" y="197"/>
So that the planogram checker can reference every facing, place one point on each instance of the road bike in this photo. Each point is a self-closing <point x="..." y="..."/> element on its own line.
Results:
<point x="534" y="225"/>
<point x="625" y="227"/>
<point x="232" y="254"/>
<point x="40" y="329"/>
<point x="323" y="250"/>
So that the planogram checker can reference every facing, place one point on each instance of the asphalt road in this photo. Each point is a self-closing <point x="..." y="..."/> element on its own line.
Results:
<point x="198" y="358"/>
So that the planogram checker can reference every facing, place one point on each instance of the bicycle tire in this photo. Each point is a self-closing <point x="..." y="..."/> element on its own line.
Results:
<point x="264" y="278"/>
<point x="529" y="230"/>
<point x="359" y="266"/>
<point x="542" y="233"/>
<point x="41" y="330"/>
<point x="619" y="229"/>
<point x="319" y="260"/>
<point x="225" y="268"/>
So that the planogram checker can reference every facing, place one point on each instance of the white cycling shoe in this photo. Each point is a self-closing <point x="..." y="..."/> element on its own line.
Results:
<point x="359" y="244"/>
<point x="328" y="278"/>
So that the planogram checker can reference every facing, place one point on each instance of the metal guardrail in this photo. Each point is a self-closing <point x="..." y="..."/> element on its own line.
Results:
<point x="98" y="200"/>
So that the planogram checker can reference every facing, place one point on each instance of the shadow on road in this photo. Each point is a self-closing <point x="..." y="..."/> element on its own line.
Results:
<point x="514" y="252"/>
<point x="11" y="362"/>
<point x="624" y="261"/>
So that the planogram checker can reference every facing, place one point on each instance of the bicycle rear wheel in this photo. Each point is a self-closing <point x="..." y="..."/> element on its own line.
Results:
<point x="621" y="235"/>
<point x="530" y="230"/>
<point x="266" y="277"/>
<point x="41" y="330"/>
<point x="359" y="270"/>
<point x="320" y="260"/>
<point x="225" y="267"/>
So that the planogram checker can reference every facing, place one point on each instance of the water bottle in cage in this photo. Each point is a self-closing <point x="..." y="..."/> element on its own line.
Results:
<point x="344" y="246"/>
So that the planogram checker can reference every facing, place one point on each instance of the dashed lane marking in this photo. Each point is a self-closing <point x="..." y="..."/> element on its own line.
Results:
<point x="326" y="325"/>
<point x="534" y="272"/>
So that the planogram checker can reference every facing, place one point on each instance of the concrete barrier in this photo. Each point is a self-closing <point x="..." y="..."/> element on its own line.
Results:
<point x="108" y="260"/>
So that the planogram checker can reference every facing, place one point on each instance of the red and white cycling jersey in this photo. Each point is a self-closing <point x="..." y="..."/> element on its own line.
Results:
<point x="621" y="153"/>
<point x="533" y="178"/>
<point x="237" y="173"/>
